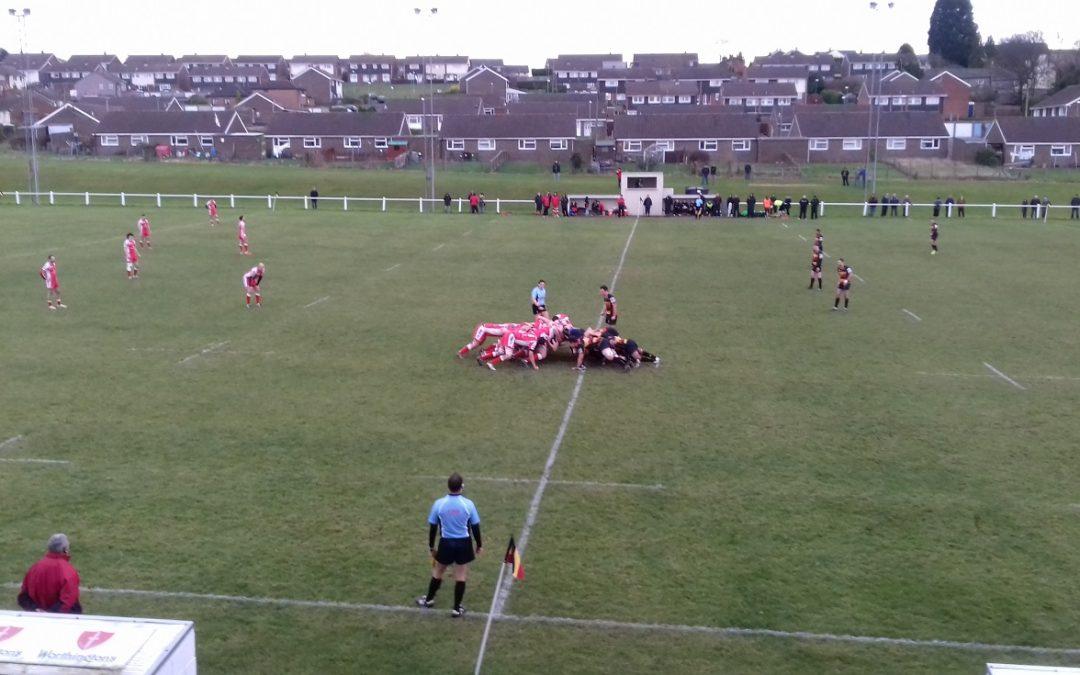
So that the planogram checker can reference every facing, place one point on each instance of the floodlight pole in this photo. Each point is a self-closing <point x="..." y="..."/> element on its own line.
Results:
<point x="28" y="117"/>
<point x="874" y="130"/>
<point x="431" y="141"/>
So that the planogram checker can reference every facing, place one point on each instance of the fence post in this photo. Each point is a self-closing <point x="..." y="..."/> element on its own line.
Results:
<point x="159" y="200"/>
<point x="384" y="203"/>
<point x="269" y="204"/>
<point x="498" y="205"/>
<point x="993" y="210"/>
<point x="459" y="204"/>
<point x="345" y="203"/>
<point x="195" y="200"/>
<point x="865" y="205"/>
<point x="421" y="201"/>
<point x="305" y="203"/>
<point x="17" y="199"/>
<point x="948" y="210"/>
<point x="232" y="201"/>
<point x="52" y="197"/>
<point x="88" y="199"/>
<point x="123" y="199"/>
<point x="821" y="211"/>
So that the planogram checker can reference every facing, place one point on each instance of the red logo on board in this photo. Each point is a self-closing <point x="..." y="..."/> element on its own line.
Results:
<point x="7" y="632"/>
<point x="92" y="638"/>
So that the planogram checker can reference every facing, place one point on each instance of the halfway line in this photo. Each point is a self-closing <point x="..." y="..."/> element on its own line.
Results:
<point x="911" y="314"/>
<point x="502" y="592"/>
<point x="596" y="623"/>
<point x="316" y="302"/>
<point x="571" y="483"/>
<point x="15" y="460"/>
<point x="1005" y="377"/>
<point x="206" y="350"/>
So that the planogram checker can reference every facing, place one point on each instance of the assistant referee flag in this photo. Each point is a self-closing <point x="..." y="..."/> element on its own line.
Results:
<point x="513" y="558"/>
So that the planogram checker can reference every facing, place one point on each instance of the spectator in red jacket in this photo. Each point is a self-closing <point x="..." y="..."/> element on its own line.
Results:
<point x="52" y="584"/>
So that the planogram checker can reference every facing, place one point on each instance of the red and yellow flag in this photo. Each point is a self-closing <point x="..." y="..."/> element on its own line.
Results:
<point x="513" y="558"/>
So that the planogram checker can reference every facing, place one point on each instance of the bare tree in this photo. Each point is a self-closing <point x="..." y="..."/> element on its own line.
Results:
<point x="1022" y="55"/>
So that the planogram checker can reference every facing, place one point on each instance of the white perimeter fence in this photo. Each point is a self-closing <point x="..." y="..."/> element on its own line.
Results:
<point x="499" y="205"/>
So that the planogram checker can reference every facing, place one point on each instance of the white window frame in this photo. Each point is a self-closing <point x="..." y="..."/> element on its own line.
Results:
<point x="767" y="101"/>
<point x="558" y="144"/>
<point x="752" y="101"/>
<point x="527" y="144"/>
<point x="1060" y="150"/>
<point x="312" y="142"/>
<point x="280" y="141"/>
<point x="654" y="99"/>
<point x="915" y="100"/>
<point x="709" y="146"/>
<point x="485" y="144"/>
<point x="667" y="99"/>
<point x="352" y="142"/>
<point x="898" y="100"/>
<point x="783" y="101"/>
<point x="611" y="84"/>
<point x="206" y="141"/>
<point x="381" y="143"/>
<point x="414" y="120"/>
<point x="785" y="127"/>
<point x="684" y="99"/>
<point x="455" y="144"/>
<point x="852" y="144"/>
<point x="139" y="139"/>
<point x="181" y="141"/>
<point x="819" y="144"/>
<point x="1024" y="151"/>
<point x="740" y="145"/>
<point x="667" y="145"/>
<point x="896" y="144"/>
<point x="930" y="144"/>
<point x="715" y="83"/>
<point x="110" y="141"/>
<point x="637" y="100"/>
<point x="632" y="146"/>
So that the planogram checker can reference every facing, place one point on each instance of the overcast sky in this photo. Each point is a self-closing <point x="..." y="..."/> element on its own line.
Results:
<point x="517" y="31"/>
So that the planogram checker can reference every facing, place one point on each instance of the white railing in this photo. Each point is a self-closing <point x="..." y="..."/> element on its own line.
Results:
<point x="460" y="204"/>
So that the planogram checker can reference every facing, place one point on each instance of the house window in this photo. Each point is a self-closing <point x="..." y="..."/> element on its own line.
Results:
<point x="352" y="142"/>
<point x="178" y="140"/>
<point x="898" y="100"/>
<point x="667" y="99"/>
<point x="896" y="144"/>
<point x="485" y="144"/>
<point x="785" y="127"/>
<point x="312" y="142"/>
<point x="684" y="99"/>
<point x="914" y="100"/>
<point x="852" y="144"/>
<point x="740" y="145"/>
<point x="138" y="139"/>
<point x="715" y="83"/>
<point x="819" y="144"/>
<point x="654" y="99"/>
<point x="930" y="143"/>
<point x="708" y="146"/>
<point x="611" y="84"/>
<point x="281" y="141"/>
<point x="637" y="100"/>
<point x="110" y="141"/>
<point x="1024" y="151"/>
<point x="665" y="145"/>
<point x="206" y="141"/>
<point x="382" y="143"/>
<point x="933" y="100"/>
<point x="631" y="146"/>
<point x="526" y="144"/>
<point x="751" y="101"/>
<point x="455" y="144"/>
<point x="1060" y="150"/>
<point x="413" y="120"/>
<point x="557" y="144"/>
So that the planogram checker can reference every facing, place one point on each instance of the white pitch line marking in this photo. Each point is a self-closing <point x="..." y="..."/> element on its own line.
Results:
<point x="911" y="314"/>
<point x="785" y="225"/>
<point x="570" y="483"/>
<point x="858" y="277"/>
<point x="1005" y="377"/>
<point x="19" y="460"/>
<point x="316" y="302"/>
<point x="11" y="441"/>
<point x="603" y="624"/>
<point x="802" y="237"/>
<point x="825" y="254"/>
<point x="467" y="233"/>
<point x="437" y="247"/>
<point x="392" y="267"/>
<point x="502" y="590"/>
<point x="206" y="350"/>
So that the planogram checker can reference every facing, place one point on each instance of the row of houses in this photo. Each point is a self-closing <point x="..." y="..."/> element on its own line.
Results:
<point x="808" y="135"/>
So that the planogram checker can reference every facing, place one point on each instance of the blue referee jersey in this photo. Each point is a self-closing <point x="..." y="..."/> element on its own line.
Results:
<point x="454" y="514"/>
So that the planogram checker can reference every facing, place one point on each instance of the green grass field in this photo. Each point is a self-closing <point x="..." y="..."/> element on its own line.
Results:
<point x="845" y="474"/>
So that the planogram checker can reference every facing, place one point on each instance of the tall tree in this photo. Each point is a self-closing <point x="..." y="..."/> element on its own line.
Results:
<point x="908" y="61"/>
<point x="953" y="33"/>
<point x="990" y="49"/>
<point x="1020" y="54"/>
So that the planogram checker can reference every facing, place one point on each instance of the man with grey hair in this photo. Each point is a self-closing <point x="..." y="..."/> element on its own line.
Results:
<point x="52" y="583"/>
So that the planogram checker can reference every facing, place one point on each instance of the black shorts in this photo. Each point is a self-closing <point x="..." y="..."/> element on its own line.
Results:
<point x="455" y="552"/>
<point x="610" y="320"/>
<point x="536" y="309"/>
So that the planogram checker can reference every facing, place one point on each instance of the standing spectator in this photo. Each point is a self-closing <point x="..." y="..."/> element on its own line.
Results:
<point x="735" y="205"/>
<point x="1074" y="212"/>
<point x="844" y="174"/>
<point x="1023" y="208"/>
<point x="620" y="205"/>
<point x="555" y="204"/>
<point x="862" y="177"/>
<point x="647" y="204"/>
<point x="907" y="206"/>
<point x="446" y="202"/>
<point x="556" y="171"/>
<point x="665" y="204"/>
<point x="871" y="205"/>
<point x="52" y="583"/>
<point x="1045" y="207"/>
<point x="785" y="208"/>
<point x="481" y="202"/>
<point x="455" y="520"/>
<point x="474" y="203"/>
<point x="937" y="207"/>
<point x="704" y="176"/>
<point x="949" y="201"/>
<point x="885" y="204"/>
<point x="564" y="204"/>
<point x="539" y="299"/>
<point x="1035" y="207"/>
<point x="803" y="204"/>
<point x="546" y="202"/>
<point x="815" y="207"/>
<point x="314" y="195"/>
<point x="767" y="203"/>
<point x="961" y="203"/>
<point x="746" y="172"/>
<point x="699" y="204"/>
<point x="751" y="204"/>
<point x="586" y="206"/>
<point x="894" y="202"/>
<point x="618" y="179"/>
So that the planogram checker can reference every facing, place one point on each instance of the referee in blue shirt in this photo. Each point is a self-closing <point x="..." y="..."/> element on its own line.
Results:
<point x="539" y="299"/>
<point x="456" y="516"/>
